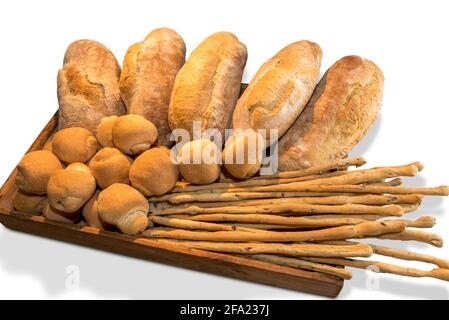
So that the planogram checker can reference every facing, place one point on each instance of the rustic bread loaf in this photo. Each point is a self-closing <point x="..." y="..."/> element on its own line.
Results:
<point x="340" y="112"/>
<point x="280" y="89"/>
<point x="208" y="85"/>
<point x="147" y="78"/>
<point x="88" y="87"/>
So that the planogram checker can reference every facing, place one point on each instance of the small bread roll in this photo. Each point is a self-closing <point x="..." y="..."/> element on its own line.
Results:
<point x="104" y="131"/>
<point x="90" y="213"/>
<point x="199" y="161"/>
<point x="34" y="170"/>
<point x="74" y="145"/>
<point x="125" y="207"/>
<point x="154" y="172"/>
<point x="133" y="134"/>
<point x="70" y="188"/>
<point x="110" y="166"/>
<point x="242" y="156"/>
<point x="29" y="203"/>
<point x="56" y="215"/>
<point x="48" y="144"/>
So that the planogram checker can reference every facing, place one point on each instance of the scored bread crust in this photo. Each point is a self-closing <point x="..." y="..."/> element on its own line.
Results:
<point x="280" y="89"/>
<point x="207" y="87"/>
<point x="149" y="71"/>
<point x="88" y="86"/>
<point x="339" y="114"/>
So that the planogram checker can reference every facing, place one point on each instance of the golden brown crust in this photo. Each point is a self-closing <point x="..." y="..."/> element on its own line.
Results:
<point x="154" y="172"/>
<point x="104" y="131"/>
<point x="280" y="89"/>
<point x="125" y="207"/>
<point x="208" y="85"/>
<point x="340" y="112"/>
<point x="74" y="144"/>
<point x="34" y="171"/>
<point x="109" y="166"/>
<point x="149" y="71"/>
<point x="90" y="213"/>
<point x="88" y="85"/>
<point x="29" y="203"/>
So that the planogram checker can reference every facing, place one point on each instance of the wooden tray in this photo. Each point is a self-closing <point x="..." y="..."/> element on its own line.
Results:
<point x="215" y="263"/>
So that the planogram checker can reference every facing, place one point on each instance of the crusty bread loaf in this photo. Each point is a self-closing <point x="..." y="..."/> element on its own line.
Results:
<point x="147" y="78"/>
<point x="88" y="87"/>
<point x="208" y="85"/>
<point x="340" y="112"/>
<point x="280" y="89"/>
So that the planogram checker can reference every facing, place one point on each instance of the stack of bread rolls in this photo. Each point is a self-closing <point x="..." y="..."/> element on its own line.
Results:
<point x="146" y="151"/>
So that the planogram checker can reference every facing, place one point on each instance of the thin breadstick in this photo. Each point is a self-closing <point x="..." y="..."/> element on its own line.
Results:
<point x="297" y="191"/>
<point x="233" y="196"/>
<point x="392" y="183"/>
<point x="366" y="229"/>
<point x="196" y="225"/>
<point x="398" y="253"/>
<point x="185" y="187"/>
<point x="297" y="250"/>
<point x="302" y="264"/>
<point x="409" y="207"/>
<point x="381" y="267"/>
<point x="369" y="199"/>
<point x="415" y="235"/>
<point x="284" y="208"/>
<point x="342" y="164"/>
<point x="268" y="227"/>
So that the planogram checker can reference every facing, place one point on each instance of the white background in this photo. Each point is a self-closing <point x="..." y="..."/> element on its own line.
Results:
<point x="407" y="39"/>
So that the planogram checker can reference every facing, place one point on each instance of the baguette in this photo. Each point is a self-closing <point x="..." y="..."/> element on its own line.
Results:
<point x="88" y="86"/>
<point x="149" y="71"/>
<point x="340" y="112"/>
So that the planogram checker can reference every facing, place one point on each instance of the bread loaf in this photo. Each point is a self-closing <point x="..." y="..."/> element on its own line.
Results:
<point x="149" y="71"/>
<point x="88" y="87"/>
<point x="208" y="85"/>
<point x="340" y="112"/>
<point x="279" y="91"/>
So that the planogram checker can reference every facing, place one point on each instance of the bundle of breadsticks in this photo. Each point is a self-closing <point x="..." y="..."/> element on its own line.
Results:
<point x="307" y="219"/>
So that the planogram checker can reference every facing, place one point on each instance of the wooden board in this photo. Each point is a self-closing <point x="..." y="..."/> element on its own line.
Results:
<point x="215" y="263"/>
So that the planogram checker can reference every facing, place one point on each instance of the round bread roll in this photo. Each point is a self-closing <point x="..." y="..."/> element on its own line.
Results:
<point x="133" y="134"/>
<point x="199" y="161"/>
<point x="56" y="215"/>
<point x="70" y="188"/>
<point x="242" y="155"/>
<point x="34" y="171"/>
<point x="104" y="131"/>
<point x="124" y="207"/>
<point x="74" y="145"/>
<point x="48" y="144"/>
<point x="90" y="213"/>
<point x="29" y="203"/>
<point x="154" y="172"/>
<point x="110" y="166"/>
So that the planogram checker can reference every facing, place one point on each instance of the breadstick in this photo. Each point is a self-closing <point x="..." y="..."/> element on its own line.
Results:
<point x="236" y="196"/>
<point x="392" y="183"/>
<point x="302" y="264"/>
<point x="366" y="229"/>
<point x="185" y="187"/>
<point x="370" y="199"/>
<point x="381" y="267"/>
<point x="415" y="235"/>
<point x="337" y="165"/>
<point x="196" y="225"/>
<point x="298" y="191"/>
<point x="299" y="250"/>
<point x="409" y="207"/>
<point x="267" y="227"/>
<point x="283" y="208"/>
